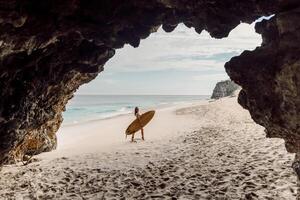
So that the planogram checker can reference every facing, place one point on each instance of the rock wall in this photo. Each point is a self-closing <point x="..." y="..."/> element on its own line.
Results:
<point x="49" y="48"/>
<point x="224" y="89"/>
<point x="270" y="78"/>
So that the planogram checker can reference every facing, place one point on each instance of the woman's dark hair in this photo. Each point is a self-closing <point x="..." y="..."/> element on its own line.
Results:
<point x="136" y="110"/>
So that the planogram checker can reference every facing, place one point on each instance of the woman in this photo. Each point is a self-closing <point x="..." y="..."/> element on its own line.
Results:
<point x="137" y="114"/>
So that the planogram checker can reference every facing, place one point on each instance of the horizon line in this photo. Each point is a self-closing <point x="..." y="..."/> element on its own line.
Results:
<point x="145" y="94"/>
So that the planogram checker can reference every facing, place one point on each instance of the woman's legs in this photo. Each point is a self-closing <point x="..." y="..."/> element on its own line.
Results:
<point x="142" y="130"/>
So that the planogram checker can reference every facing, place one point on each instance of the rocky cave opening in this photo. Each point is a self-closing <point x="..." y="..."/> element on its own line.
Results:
<point x="49" y="48"/>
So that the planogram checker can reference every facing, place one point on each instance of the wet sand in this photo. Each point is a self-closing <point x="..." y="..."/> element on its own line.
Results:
<point x="212" y="150"/>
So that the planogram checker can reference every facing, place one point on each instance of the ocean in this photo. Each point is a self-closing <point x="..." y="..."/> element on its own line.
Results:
<point x="83" y="108"/>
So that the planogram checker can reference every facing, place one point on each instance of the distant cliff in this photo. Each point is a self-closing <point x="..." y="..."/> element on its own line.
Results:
<point x="224" y="89"/>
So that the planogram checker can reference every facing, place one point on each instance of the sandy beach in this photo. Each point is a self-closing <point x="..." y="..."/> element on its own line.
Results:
<point x="205" y="150"/>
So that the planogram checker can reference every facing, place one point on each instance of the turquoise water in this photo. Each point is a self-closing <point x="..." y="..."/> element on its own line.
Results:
<point x="84" y="108"/>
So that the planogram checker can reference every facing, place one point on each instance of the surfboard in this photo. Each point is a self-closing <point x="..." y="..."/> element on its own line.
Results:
<point x="136" y="125"/>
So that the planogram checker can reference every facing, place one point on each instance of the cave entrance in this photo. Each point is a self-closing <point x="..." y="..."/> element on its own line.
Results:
<point x="166" y="69"/>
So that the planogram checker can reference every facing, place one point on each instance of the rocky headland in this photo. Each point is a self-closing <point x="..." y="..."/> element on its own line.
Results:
<point x="224" y="89"/>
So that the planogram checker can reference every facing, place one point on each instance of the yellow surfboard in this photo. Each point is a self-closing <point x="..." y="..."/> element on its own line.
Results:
<point x="137" y="125"/>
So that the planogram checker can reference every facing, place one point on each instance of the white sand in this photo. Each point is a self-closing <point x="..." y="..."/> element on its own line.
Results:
<point x="109" y="134"/>
<point x="205" y="151"/>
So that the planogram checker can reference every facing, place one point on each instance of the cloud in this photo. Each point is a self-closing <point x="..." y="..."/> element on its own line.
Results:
<point x="181" y="62"/>
<point x="184" y="49"/>
<point x="211" y="77"/>
<point x="110" y="81"/>
<point x="223" y="57"/>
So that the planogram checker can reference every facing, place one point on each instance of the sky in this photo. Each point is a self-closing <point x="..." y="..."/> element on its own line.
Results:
<point x="178" y="63"/>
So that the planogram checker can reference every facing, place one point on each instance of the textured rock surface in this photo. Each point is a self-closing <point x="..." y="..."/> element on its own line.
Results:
<point x="49" y="48"/>
<point x="270" y="78"/>
<point x="224" y="89"/>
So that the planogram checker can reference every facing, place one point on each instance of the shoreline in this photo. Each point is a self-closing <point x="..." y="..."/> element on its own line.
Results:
<point x="174" y="105"/>
<point x="85" y="108"/>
